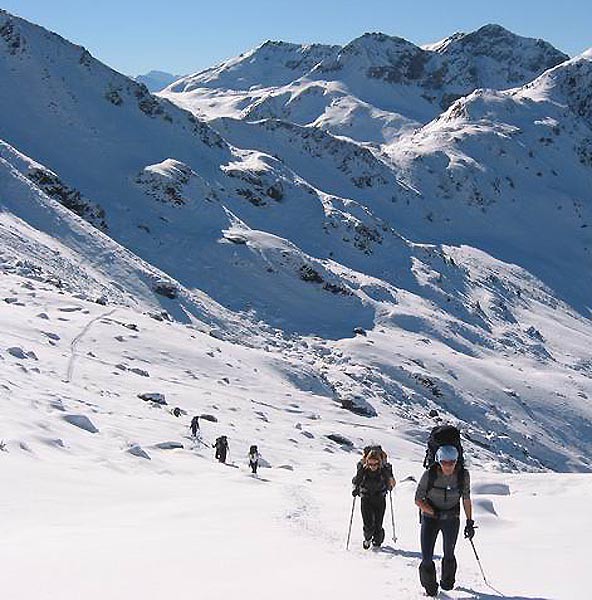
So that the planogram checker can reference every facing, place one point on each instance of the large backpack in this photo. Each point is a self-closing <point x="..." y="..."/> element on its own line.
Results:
<point x="443" y="435"/>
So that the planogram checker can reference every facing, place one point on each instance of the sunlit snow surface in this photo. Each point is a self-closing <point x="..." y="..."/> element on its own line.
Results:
<point x="81" y="516"/>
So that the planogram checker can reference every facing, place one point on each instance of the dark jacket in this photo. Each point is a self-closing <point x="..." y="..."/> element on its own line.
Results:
<point x="373" y="483"/>
<point x="220" y="443"/>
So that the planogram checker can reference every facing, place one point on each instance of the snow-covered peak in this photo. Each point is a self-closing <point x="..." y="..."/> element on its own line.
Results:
<point x="569" y="84"/>
<point x="378" y="56"/>
<point x="494" y="57"/>
<point x="273" y="63"/>
<point x="373" y="89"/>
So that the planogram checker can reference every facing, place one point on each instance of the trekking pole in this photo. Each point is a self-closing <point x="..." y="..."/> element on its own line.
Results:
<point x="482" y="572"/>
<point x="478" y="561"/>
<point x="393" y="517"/>
<point x="351" y="520"/>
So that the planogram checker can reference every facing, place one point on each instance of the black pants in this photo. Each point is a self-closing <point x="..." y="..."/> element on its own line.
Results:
<point x="430" y="528"/>
<point x="373" y="508"/>
<point x="221" y="454"/>
<point x="254" y="466"/>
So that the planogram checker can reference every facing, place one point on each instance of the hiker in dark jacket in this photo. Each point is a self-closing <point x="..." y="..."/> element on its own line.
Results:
<point x="221" y="445"/>
<point x="195" y="426"/>
<point x="253" y="458"/>
<point x="438" y="495"/>
<point x="374" y="478"/>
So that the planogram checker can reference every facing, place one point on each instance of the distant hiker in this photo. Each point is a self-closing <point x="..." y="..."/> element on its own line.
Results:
<point x="442" y="486"/>
<point x="177" y="411"/>
<point x="374" y="478"/>
<point x="221" y="445"/>
<point x="195" y="427"/>
<point x="253" y="458"/>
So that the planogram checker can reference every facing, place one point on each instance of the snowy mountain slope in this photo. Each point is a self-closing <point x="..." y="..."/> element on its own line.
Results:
<point x="46" y="242"/>
<point x="371" y="89"/>
<point x="160" y="176"/>
<point x="469" y="335"/>
<point x="70" y="367"/>
<point x="518" y="159"/>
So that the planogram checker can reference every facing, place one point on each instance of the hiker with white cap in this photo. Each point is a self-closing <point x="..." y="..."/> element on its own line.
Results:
<point x="439" y="493"/>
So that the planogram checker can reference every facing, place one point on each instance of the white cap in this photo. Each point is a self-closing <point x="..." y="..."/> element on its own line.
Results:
<point x="446" y="453"/>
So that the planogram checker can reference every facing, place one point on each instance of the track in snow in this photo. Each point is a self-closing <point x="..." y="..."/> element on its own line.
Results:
<point x="76" y="341"/>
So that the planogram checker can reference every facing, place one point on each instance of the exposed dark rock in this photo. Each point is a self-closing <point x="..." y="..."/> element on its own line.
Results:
<point x="68" y="197"/>
<point x="140" y="372"/>
<point x="169" y="445"/>
<point x="308" y="273"/>
<point x="155" y="397"/>
<point x="14" y="41"/>
<point x="166" y="289"/>
<point x="340" y="439"/>
<point x="207" y="417"/>
<point x="363" y="409"/>
<point x="113" y="95"/>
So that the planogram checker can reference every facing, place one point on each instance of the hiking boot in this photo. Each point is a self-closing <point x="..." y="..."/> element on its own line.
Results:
<point x="366" y="544"/>
<point x="431" y="592"/>
<point x="378" y="539"/>
<point x="448" y="573"/>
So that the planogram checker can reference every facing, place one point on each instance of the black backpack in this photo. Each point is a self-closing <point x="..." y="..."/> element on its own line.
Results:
<point x="443" y="435"/>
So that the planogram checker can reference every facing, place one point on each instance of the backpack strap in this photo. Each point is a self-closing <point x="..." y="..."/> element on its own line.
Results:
<point x="433" y="473"/>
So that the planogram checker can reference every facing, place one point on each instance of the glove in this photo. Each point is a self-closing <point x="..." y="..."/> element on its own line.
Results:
<point x="355" y="492"/>
<point x="470" y="529"/>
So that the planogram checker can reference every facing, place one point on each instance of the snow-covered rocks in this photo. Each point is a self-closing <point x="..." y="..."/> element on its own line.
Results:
<point x="169" y="446"/>
<point x="138" y="451"/>
<point x="18" y="352"/>
<point x="491" y="489"/>
<point x="82" y="422"/>
<point x="154" y="397"/>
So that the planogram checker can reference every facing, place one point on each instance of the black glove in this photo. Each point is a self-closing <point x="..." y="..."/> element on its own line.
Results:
<point x="356" y="492"/>
<point x="470" y="529"/>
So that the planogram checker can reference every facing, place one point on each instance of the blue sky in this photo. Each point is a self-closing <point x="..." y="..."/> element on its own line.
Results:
<point x="183" y="36"/>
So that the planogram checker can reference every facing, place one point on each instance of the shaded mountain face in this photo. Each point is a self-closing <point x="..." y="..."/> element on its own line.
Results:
<point x="439" y="272"/>
<point x="370" y="89"/>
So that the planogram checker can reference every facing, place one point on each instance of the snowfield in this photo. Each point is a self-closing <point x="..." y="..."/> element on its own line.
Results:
<point x="93" y="516"/>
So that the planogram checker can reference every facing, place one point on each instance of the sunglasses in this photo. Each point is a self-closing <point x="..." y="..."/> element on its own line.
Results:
<point x="448" y="463"/>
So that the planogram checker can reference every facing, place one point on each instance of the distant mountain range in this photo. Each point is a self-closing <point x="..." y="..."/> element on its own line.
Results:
<point x="156" y="81"/>
<point x="370" y="89"/>
<point x="434" y="199"/>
